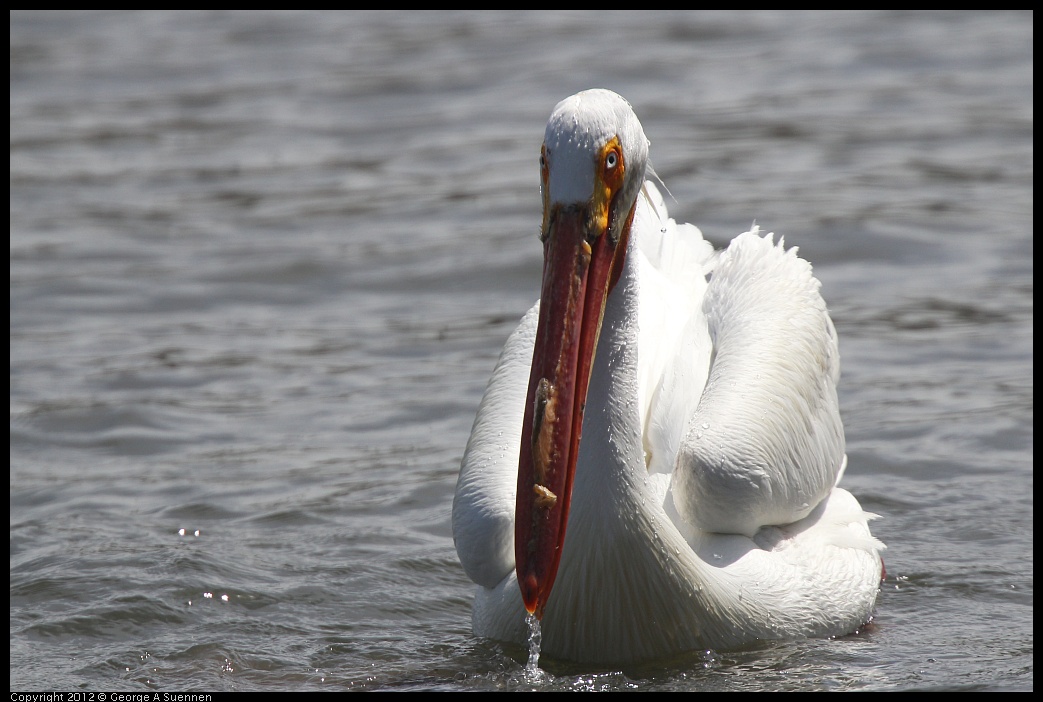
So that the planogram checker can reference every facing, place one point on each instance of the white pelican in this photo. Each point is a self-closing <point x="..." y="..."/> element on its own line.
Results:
<point x="701" y="508"/>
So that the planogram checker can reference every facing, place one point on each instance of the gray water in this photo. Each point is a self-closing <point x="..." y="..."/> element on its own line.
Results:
<point x="262" y="265"/>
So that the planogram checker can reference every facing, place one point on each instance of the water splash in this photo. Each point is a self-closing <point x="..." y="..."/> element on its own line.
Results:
<point x="533" y="674"/>
<point x="535" y="640"/>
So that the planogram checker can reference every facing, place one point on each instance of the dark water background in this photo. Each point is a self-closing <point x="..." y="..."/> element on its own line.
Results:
<point x="262" y="265"/>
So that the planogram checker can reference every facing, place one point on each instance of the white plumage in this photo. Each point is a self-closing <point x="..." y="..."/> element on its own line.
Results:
<point x="704" y="512"/>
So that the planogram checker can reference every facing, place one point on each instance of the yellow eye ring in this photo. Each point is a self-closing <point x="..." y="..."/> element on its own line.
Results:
<point x="612" y="165"/>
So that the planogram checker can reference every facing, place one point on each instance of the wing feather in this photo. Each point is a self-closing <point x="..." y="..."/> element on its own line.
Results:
<point x="766" y="444"/>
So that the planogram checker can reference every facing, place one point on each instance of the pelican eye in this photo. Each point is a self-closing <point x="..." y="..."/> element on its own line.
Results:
<point x="611" y="159"/>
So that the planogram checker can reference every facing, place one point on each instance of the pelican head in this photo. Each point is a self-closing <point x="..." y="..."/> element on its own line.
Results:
<point x="592" y="166"/>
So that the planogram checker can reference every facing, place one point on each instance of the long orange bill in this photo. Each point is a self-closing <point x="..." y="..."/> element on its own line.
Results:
<point x="580" y="267"/>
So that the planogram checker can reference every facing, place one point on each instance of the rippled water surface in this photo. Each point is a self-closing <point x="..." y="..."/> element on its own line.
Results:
<point x="262" y="265"/>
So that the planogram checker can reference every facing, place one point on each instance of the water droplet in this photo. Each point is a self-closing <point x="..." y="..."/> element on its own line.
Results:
<point x="533" y="674"/>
